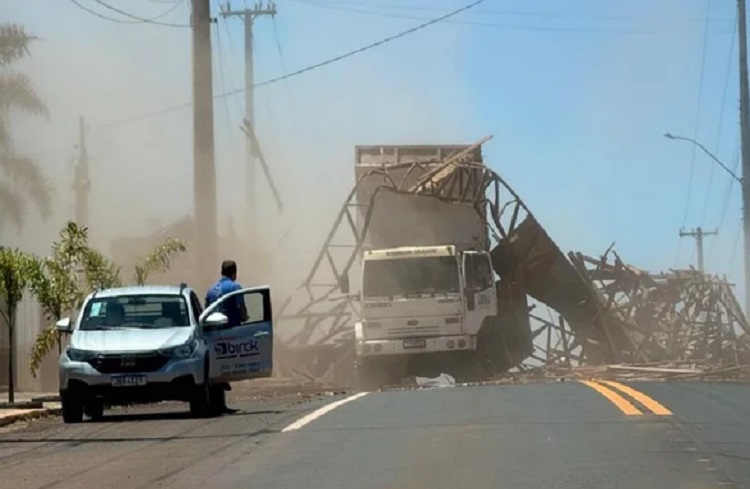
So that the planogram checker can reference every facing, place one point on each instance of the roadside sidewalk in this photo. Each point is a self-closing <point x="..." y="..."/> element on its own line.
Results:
<point x="27" y="405"/>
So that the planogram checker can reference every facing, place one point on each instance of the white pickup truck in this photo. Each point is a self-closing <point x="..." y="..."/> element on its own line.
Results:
<point x="156" y="343"/>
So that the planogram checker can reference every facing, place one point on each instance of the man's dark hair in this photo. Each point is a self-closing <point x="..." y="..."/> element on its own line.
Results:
<point x="228" y="268"/>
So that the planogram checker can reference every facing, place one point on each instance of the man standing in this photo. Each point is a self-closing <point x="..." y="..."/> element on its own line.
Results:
<point x="234" y="310"/>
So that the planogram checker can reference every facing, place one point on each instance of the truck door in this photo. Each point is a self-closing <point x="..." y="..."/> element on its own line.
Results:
<point x="243" y="350"/>
<point x="479" y="293"/>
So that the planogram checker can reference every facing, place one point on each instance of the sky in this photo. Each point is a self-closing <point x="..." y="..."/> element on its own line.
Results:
<point x="577" y="95"/>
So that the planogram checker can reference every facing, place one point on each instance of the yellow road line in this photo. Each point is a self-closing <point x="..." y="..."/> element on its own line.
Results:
<point x="622" y="404"/>
<point x="647" y="401"/>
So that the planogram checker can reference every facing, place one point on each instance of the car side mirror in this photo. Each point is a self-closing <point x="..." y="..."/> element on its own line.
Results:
<point x="215" y="320"/>
<point x="63" y="325"/>
<point x="344" y="284"/>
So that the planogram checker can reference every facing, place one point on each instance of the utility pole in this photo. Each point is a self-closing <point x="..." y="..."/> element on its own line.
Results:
<point x="81" y="182"/>
<point x="698" y="234"/>
<point x="204" y="169"/>
<point x="251" y="151"/>
<point x="745" y="138"/>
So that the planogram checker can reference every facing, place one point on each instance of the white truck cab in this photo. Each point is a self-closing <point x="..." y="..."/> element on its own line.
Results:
<point x="422" y="300"/>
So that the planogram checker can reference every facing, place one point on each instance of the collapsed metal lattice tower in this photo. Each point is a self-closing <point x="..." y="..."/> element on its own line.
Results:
<point x="681" y="315"/>
<point x="608" y="313"/>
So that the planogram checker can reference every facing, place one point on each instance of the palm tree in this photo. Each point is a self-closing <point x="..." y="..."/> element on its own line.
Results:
<point x="20" y="177"/>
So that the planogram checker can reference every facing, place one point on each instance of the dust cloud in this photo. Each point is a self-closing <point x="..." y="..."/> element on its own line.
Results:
<point x="122" y="77"/>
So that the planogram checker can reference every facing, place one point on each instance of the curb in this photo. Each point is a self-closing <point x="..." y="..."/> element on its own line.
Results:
<point x="35" y="414"/>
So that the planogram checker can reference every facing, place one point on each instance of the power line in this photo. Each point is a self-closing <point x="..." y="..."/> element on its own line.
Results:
<point x="141" y="19"/>
<point x="365" y="48"/>
<point x="303" y="70"/>
<point x="733" y="255"/>
<point x="104" y="17"/>
<point x="721" y="123"/>
<point x="342" y="5"/>
<point x="488" y="24"/>
<point x="233" y="55"/>
<point x="698" y="114"/>
<point x="221" y="74"/>
<point x="278" y="45"/>
<point x="728" y="193"/>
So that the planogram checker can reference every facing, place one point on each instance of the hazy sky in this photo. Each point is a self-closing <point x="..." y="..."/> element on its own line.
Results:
<point x="577" y="94"/>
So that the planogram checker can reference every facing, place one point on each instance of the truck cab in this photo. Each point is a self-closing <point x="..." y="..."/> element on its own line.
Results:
<point x="421" y="301"/>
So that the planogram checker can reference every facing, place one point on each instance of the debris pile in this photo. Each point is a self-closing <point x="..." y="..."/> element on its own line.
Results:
<point x="681" y="324"/>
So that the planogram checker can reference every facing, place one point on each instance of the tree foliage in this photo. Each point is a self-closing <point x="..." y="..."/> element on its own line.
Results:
<point x="159" y="260"/>
<point x="14" y="267"/>
<point x="22" y="177"/>
<point x="75" y="269"/>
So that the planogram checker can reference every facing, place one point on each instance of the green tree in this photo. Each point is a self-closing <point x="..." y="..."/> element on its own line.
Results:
<point x="20" y="176"/>
<point x="14" y="268"/>
<point x="159" y="260"/>
<point x="75" y="269"/>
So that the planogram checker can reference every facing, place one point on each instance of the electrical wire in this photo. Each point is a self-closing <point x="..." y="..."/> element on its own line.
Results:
<point x="289" y="96"/>
<point x="733" y="255"/>
<point x="365" y="48"/>
<point x="233" y="56"/>
<point x="721" y="124"/>
<point x="104" y="17"/>
<point x="727" y="194"/>
<point x="278" y="45"/>
<point x="141" y="19"/>
<point x="486" y="24"/>
<point x="344" y="4"/>
<point x="222" y="76"/>
<point x="697" y="116"/>
<point x="303" y="70"/>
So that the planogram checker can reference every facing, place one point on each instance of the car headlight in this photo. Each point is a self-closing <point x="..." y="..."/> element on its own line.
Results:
<point x="80" y="355"/>
<point x="182" y="351"/>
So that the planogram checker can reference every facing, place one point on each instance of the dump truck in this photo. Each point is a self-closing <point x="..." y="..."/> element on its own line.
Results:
<point x="428" y="296"/>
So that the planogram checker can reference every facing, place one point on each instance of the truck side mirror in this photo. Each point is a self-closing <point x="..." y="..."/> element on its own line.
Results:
<point x="344" y="283"/>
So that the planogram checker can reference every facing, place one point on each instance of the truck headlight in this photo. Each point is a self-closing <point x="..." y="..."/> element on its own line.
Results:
<point x="182" y="351"/>
<point x="80" y="355"/>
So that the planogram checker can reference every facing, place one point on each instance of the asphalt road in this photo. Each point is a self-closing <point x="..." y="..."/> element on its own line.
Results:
<point x="551" y="435"/>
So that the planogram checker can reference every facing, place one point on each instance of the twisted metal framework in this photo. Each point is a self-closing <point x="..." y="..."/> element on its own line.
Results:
<point x="679" y="316"/>
<point x="324" y="340"/>
<point x="608" y="313"/>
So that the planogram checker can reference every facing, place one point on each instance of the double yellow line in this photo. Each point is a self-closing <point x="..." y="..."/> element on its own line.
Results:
<point x="608" y="389"/>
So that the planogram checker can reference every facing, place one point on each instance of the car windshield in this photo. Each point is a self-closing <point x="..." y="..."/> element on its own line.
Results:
<point x="135" y="311"/>
<point x="407" y="276"/>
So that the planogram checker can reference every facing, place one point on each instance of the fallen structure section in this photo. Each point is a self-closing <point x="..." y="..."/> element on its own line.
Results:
<point x="682" y="324"/>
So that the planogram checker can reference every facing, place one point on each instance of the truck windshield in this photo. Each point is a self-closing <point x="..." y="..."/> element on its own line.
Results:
<point x="135" y="311"/>
<point x="406" y="276"/>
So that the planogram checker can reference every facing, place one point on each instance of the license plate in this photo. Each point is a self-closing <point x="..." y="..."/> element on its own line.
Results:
<point x="410" y="344"/>
<point x="128" y="381"/>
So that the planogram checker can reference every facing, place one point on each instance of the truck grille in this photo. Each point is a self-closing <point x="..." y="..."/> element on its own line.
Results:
<point x="115" y="364"/>
<point x="414" y="331"/>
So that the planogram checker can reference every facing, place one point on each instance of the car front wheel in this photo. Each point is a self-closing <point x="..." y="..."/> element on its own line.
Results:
<point x="72" y="408"/>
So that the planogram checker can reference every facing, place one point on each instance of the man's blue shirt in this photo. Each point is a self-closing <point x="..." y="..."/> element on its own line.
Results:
<point x="230" y="308"/>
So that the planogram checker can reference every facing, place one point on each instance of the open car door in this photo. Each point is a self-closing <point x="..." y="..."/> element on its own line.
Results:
<point x="243" y="350"/>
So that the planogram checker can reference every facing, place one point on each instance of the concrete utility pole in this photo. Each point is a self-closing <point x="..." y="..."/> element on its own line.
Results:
<point x="81" y="182"/>
<point x="204" y="169"/>
<point x="249" y="15"/>
<point x="698" y="234"/>
<point x="745" y="135"/>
